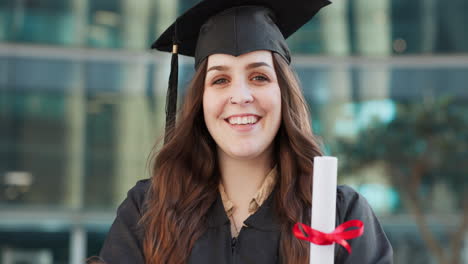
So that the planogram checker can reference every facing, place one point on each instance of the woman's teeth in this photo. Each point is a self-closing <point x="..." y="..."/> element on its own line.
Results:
<point x="242" y="120"/>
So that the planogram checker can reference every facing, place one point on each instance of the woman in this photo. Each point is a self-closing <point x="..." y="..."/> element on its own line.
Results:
<point x="236" y="173"/>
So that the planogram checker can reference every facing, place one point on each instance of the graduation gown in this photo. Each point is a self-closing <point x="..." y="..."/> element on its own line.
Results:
<point x="258" y="243"/>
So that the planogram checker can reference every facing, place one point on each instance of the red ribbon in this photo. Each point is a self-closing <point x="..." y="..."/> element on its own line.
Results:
<point x="339" y="235"/>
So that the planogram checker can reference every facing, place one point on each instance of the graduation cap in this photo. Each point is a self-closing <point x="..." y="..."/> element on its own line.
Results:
<point x="231" y="27"/>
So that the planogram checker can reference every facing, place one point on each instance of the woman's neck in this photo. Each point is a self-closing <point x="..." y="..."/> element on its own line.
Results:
<point x="242" y="178"/>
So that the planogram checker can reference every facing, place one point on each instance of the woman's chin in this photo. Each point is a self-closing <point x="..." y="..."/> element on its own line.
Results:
<point x="243" y="152"/>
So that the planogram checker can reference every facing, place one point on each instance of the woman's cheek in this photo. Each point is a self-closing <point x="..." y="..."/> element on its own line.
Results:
<point x="271" y="101"/>
<point x="212" y="105"/>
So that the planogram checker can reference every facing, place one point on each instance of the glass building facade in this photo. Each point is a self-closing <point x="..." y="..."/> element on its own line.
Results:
<point x="82" y="102"/>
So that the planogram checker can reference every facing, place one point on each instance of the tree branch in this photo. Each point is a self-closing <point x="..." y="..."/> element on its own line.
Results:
<point x="459" y="234"/>
<point x="414" y="205"/>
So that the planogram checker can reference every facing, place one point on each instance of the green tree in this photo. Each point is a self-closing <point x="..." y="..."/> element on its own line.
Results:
<point x="425" y="143"/>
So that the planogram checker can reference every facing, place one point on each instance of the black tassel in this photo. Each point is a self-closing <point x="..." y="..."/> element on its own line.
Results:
<point x="171" y="96"/>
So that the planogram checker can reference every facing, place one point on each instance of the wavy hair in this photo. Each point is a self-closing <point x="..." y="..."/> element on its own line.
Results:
<point x="186" y="174"/>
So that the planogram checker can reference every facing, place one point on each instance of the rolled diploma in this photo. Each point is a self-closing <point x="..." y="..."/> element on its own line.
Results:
<point x="323" y="206"/>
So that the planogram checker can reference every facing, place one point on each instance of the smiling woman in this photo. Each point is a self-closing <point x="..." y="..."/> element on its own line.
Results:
<point x="242" y="104"/>
<point x="236" y="173"/>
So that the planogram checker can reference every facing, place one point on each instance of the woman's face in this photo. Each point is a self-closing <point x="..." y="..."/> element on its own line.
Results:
<point x="242" y="103"/>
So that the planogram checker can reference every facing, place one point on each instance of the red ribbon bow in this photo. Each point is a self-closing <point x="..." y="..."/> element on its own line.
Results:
<point x="339" y="235"/>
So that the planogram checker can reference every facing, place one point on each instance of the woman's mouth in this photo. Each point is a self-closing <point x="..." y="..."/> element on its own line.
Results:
<point x="243" y="123"/>
<point x="243" y="120"/>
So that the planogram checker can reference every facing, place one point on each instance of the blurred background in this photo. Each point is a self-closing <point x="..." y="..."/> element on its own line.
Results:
<point x="82" y="102"/>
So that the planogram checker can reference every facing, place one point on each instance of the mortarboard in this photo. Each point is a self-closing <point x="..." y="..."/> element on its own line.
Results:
<point x="231" y="27"/>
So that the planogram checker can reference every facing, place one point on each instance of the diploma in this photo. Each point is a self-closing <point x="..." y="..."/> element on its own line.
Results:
<point x="322" y="233"/>
<point x="323" y="206"/>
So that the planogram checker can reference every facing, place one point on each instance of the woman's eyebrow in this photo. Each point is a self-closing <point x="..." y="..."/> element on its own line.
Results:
<point x="248" y="67"/>
<point x="256" y="65"/>
<point x="218" y="68"/>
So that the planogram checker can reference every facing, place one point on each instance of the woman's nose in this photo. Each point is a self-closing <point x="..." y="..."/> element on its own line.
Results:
<point x="241" y="94"/>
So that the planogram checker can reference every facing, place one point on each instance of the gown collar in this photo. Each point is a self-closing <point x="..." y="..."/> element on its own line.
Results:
<point x="263" y="219"/>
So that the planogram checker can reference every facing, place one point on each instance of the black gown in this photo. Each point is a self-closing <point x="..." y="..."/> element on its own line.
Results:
<point x="258" y="243"/>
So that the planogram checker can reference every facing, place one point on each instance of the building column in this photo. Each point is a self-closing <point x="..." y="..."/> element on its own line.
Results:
<point x="75" y="118"/>
<point x="166" y="13"/>
<point x="374" y="39"/>
<point x="429" y="29"/>
<point x="334" y="24"/>
<point x="133" y="120"/>
<point x="78" y="242"/>
<point x="337" y="120"/>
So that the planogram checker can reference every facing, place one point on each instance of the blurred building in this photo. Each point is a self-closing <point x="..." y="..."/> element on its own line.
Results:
<point x="82" y="103"/>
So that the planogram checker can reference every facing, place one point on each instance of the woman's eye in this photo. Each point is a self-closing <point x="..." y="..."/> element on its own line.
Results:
<point x="220" y="81"/>
<point x="260" y="78"/>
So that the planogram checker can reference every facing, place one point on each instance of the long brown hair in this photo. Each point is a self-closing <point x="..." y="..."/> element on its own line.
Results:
<point x="185" y="175"/>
